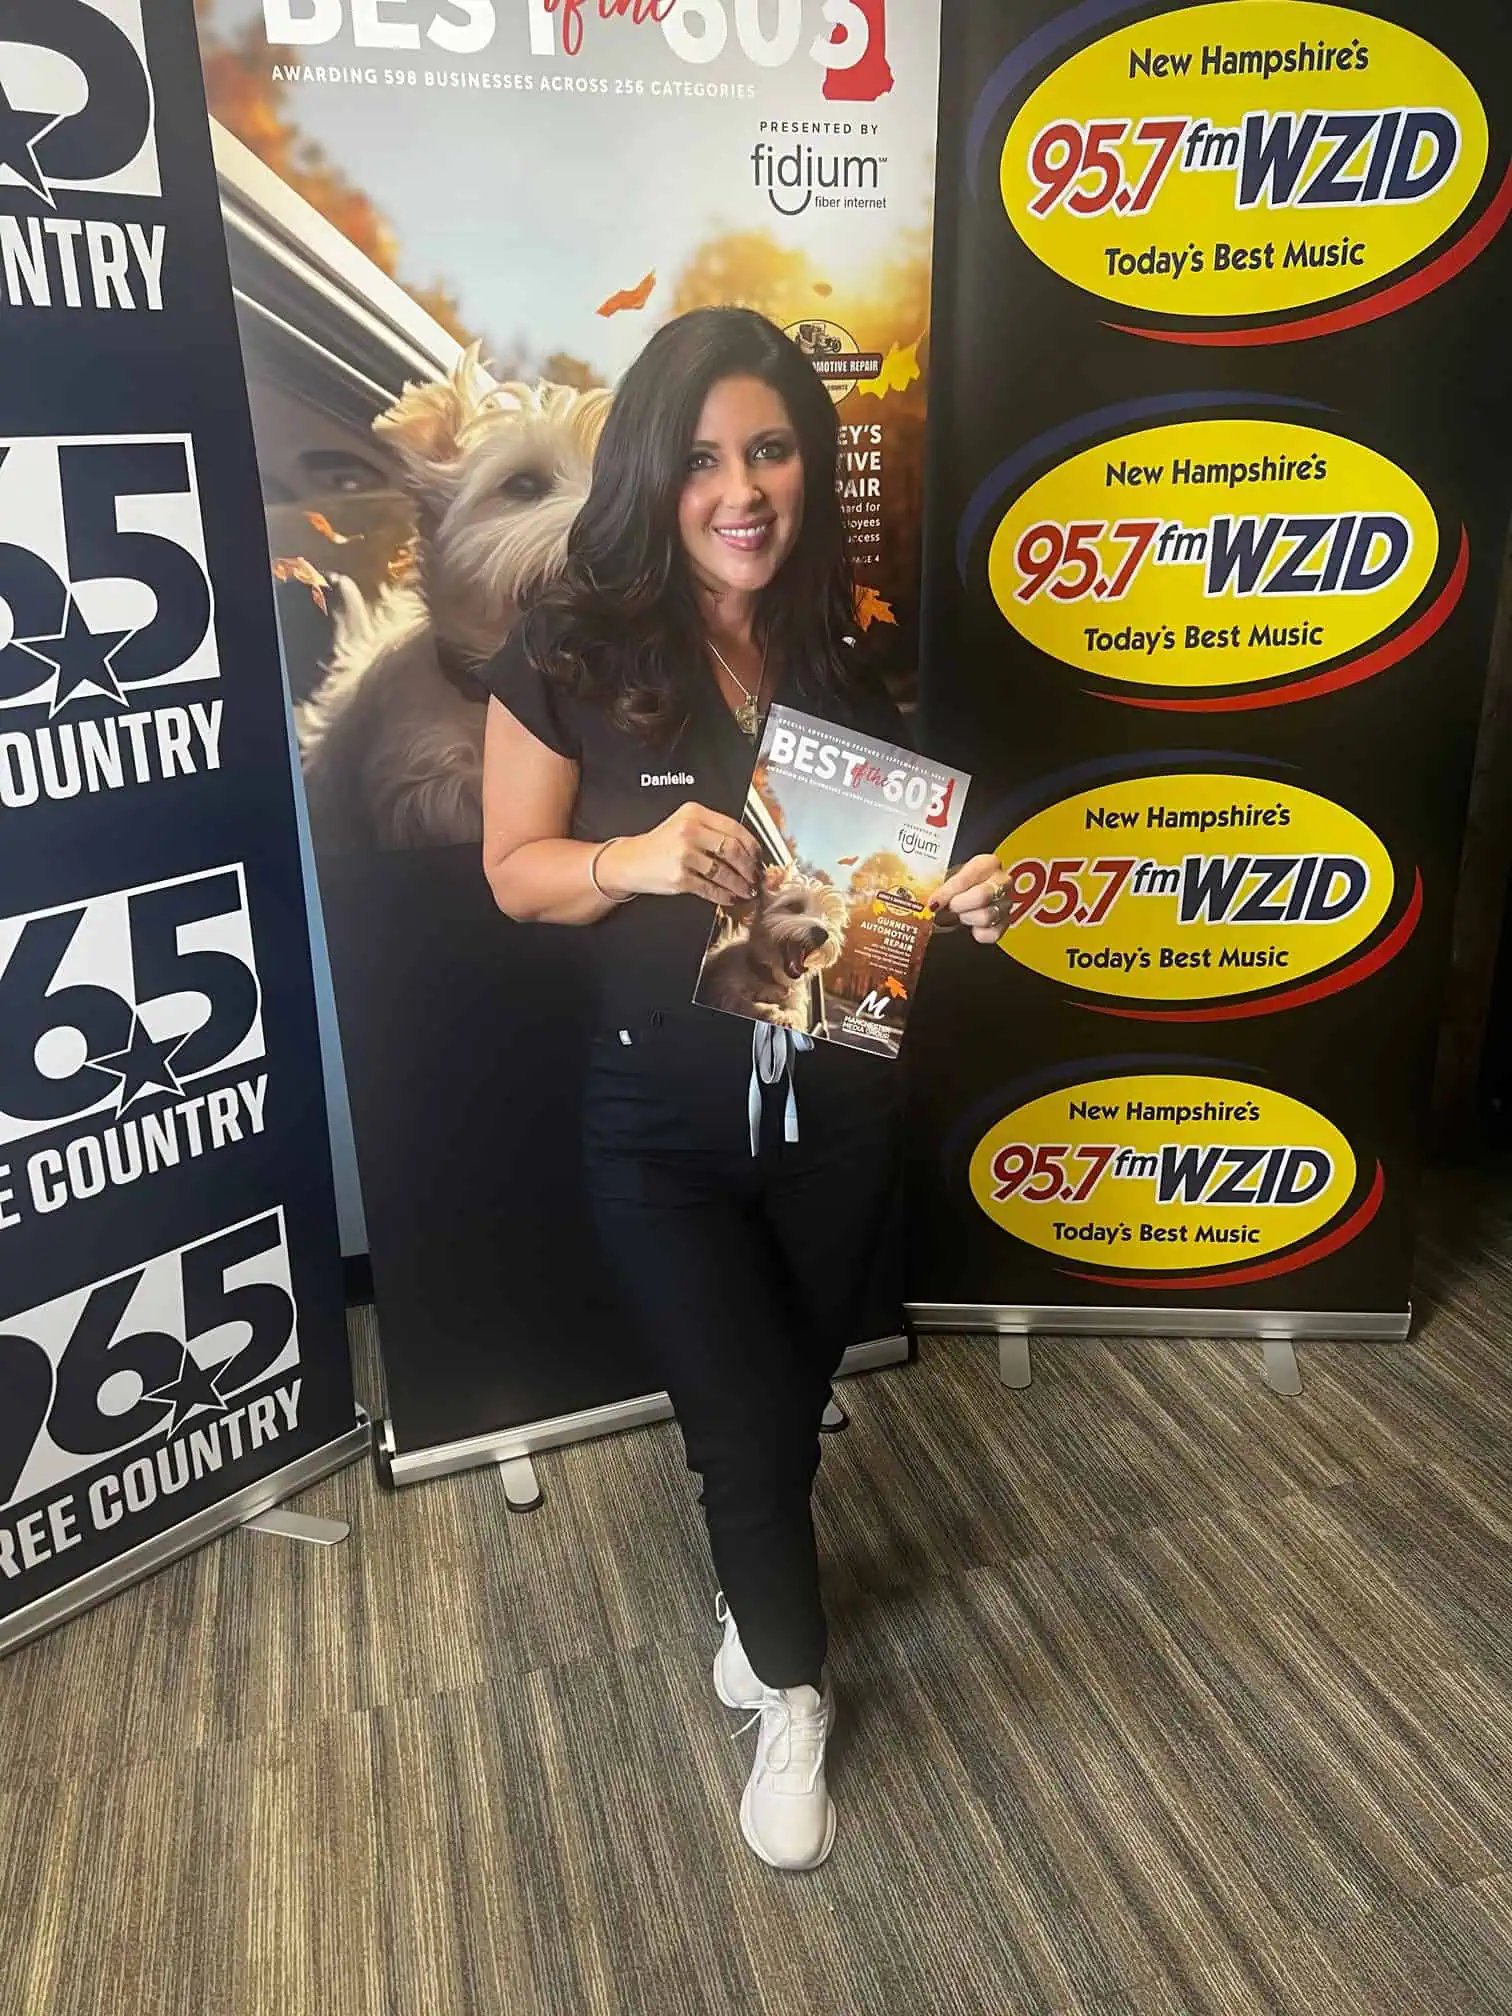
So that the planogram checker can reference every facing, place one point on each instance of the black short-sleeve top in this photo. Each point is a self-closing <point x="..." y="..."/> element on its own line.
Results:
<point x="650" y="950"/>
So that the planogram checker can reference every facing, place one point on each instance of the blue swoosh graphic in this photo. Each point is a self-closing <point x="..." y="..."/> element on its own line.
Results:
<point x="1030" y="53"/>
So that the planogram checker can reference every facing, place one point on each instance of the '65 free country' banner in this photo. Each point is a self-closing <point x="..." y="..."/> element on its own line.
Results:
<point x="171" y="1325"/>
<point x="1222" y="488"/>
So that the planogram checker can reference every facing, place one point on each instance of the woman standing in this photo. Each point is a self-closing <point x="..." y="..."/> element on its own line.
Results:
<point x="738" y="1192"/>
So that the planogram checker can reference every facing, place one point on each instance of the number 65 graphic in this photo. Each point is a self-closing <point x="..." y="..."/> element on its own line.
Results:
<point x="115" y="524"/>
<point x="74" y="982"/>
<point x="85" y="1379"/>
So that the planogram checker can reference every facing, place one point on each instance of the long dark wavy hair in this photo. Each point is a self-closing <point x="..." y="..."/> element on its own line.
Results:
<point x="620" y="623"/>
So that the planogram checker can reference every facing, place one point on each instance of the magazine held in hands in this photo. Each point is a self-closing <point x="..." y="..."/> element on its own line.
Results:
<point x="857" y="835"/>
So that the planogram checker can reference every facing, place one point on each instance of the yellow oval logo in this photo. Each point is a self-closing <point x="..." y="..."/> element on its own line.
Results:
<point x="1236" y="161"/>
<point x="1163" y="1173"/>
<point x="1213" y="553"/>
<point x="1191" y="888"/>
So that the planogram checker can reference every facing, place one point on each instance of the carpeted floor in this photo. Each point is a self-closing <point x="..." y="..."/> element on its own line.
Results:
<point x="1160" y="1694"/>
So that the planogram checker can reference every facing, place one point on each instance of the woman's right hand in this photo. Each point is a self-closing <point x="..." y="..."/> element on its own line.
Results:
<point x="695" y="852"/>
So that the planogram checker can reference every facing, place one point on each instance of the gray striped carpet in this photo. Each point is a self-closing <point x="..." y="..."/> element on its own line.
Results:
<point x="1160" y="1694"/>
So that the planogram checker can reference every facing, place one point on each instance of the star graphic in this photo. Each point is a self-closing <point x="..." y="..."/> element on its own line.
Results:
<point x="80" y="658"/>
<point x="19" y="133"/>
<point x="143" y="1066"/>
<point x="191" y="1391"/>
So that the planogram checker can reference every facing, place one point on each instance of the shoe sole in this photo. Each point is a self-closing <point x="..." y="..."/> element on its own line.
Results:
<point x="788" y="1868"/>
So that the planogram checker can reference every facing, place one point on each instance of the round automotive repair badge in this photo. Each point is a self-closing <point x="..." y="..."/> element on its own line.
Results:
<point x="835" y="355"/>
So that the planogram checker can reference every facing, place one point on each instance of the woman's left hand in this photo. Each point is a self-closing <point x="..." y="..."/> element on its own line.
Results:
<point x="975" y="896"/>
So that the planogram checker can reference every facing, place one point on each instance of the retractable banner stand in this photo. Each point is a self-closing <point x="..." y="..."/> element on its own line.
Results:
<point x="451" y="229"/>
<point x="172" y="1343"/>
<point x="1220" y="488"/>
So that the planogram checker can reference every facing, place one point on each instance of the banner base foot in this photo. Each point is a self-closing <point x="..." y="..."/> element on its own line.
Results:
<point x="1015" y="1367"/>
<point x="1281" y="1371"/>
<point x="834" y="1419"/>
<point x="522" y="1493"/>
<point x="300" y="1526"/>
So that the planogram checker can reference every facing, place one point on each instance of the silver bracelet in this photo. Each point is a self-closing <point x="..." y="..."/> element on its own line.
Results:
<point x="598" y="854"/>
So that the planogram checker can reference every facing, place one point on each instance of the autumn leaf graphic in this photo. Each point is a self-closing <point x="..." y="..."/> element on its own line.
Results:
<point x="823" y="288"/>
<point x="895" y="987"/>
<point x="312" y="578"/>
<point x="326" y="529"/>
<point x="847" y="860"/>
<point x="900" y="367"/>
<point x="871" y="608"/>
<point x="628" y="297"/>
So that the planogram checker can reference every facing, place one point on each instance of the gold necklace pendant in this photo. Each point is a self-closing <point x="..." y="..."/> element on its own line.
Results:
<point x="748" y="713"/>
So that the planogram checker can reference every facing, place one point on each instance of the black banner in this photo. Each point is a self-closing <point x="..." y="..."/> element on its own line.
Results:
<point x="1220" y="485"/>
<point x="171" y="1323"/>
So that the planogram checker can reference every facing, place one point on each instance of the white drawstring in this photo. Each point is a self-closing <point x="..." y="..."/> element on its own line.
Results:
<point x="772" y="1052"/>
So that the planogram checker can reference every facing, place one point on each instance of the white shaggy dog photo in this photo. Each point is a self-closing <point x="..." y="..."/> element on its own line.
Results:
<point x="391" y="742"/>
<point x="794" y="929"/>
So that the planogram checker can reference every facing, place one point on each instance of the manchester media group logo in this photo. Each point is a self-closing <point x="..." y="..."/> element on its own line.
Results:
<point x="77" y="135"/>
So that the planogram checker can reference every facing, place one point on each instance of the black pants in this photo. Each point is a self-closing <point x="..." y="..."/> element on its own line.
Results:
<point x="745" y="1277"/>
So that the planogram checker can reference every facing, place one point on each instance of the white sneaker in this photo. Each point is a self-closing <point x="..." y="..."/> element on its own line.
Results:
<point x="734" y="1682"/>
<point x="786" y="1813"/>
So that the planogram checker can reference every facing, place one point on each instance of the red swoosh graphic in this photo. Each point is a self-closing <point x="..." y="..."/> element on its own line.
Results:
<point x="1262" y="1270"/>
<point x="1433" y="618"/>
<point x="1298" y="997"/>
<point x="1433" y="276"/>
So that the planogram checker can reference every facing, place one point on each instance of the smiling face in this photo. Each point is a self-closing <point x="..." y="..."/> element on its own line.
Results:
<point x="741" y="506"/>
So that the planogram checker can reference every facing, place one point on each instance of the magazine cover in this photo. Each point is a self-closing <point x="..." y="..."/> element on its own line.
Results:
<point x="857" y="835"/>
